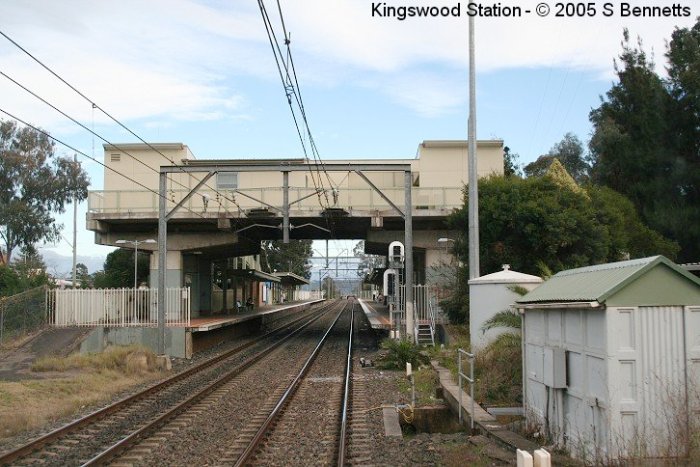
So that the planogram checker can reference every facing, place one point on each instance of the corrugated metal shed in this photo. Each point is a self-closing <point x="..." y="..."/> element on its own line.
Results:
<point x="597" y="283"/>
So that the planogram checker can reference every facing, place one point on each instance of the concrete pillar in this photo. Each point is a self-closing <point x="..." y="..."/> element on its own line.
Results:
<point x="523" y="458"/>
<point x="205" y="284"/>
<point x="174" y="274"/>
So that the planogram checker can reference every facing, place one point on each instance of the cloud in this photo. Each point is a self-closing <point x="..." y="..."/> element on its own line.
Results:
<point x="179" y="60"/>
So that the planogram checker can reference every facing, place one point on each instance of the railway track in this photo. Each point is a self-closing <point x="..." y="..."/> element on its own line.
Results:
<point x="306" y="421"/>
<point x="88" y="439"/>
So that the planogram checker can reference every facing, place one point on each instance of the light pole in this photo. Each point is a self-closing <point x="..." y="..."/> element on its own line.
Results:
<point x="136" y="254"/>
<point x="473" y="185"/>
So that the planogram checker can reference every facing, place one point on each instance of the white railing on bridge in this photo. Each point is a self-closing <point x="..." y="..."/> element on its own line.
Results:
<point x="117" y="307"/>
<point x="363" y="199"/>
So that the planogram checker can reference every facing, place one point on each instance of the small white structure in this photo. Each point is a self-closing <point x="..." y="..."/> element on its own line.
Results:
<point x="611" y="358"/>
<point x="491" y="294"/>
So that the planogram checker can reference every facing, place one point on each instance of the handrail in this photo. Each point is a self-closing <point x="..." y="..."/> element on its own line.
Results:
<point x="469" y="379"/>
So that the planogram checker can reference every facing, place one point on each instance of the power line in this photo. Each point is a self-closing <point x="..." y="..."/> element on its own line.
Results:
<point x="114" y="119"/>
<point x="72" y="148"/>
<point x="82" y="125"/>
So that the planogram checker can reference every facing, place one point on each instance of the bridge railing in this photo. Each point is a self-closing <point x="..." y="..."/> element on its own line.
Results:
<point x="209" y="201"/>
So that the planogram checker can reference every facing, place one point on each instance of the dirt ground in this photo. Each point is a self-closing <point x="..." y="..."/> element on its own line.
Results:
<point x="16" y="358"/>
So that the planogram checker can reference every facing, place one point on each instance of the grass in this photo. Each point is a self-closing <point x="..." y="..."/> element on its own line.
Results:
<point x="126" y="360"/>
<point x="426" y="382"/>
<point x="460" y="454"/>
<point x="75" y="382"/>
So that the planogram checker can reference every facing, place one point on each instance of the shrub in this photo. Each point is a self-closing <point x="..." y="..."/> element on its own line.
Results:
<point x="400" y="352"/>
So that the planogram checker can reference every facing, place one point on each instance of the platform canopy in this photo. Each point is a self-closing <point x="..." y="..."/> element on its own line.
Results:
<point x="254" y="274"/>
<point x="289" y="278"/>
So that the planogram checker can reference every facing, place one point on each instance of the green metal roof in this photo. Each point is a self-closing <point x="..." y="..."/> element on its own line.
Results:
<point x="597" y="283"/>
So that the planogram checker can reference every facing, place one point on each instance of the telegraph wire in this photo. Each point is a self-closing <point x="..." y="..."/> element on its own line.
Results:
<point x="82" y="125"/>
<point x="114" y="119"/>
<point x="29" y="91"/>
<point x="72" y="148"/>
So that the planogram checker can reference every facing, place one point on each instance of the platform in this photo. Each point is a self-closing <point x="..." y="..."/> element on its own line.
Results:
<point x="377" y="314"/>
<point x="203" y="332"/>
<point x="208" y="323"/>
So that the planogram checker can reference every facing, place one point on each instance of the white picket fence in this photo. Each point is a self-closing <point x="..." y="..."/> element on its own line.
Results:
<point x="116" y="307"/>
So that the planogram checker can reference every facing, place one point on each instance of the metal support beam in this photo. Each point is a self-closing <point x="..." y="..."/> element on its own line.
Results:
<point x="307" y="196"/>
<point x="408" y="251"/>
<point x="189" y="195"/>
<point x="258" y="200"/>
<point x="374" y="187"/>
<point x="162" y="260"/>
<point x="285" y="207"/>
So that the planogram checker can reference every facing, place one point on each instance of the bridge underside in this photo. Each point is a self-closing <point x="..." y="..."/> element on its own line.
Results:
<point x="214" y="235"/>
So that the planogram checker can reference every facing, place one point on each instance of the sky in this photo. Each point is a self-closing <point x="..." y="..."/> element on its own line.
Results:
<point x="202" y="73"/>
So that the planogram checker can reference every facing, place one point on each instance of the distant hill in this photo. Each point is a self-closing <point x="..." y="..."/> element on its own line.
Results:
<point x="62" y="265"/>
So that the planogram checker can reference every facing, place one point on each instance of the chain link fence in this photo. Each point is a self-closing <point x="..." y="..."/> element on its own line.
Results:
<point x="22" y="313"/>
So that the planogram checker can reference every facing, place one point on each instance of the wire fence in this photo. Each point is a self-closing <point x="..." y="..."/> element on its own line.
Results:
<point x="22" y="313"/>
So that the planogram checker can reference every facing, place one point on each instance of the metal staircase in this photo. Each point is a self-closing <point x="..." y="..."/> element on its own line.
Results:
<point x="426" y="310"/>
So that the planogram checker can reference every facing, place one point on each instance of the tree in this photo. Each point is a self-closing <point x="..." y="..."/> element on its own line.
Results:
<point x="367" y="262"/>
<point x="537" y="223"/>
<point x="82" y="276"/>
<point x="330" y="287"/>
<point x="569" y="152"/>
<point x="684" y="86"/>
<point x="642" y="145"/>
<point x="291" y="257"/>
<point x="510" y="163"/>
<point x="34" y="184"/>
<point x="119" y="270"/>
<point x="25" y="272"/>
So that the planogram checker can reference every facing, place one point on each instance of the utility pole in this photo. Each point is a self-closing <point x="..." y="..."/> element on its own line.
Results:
<point x="473" y="176"/>
<point x="75" y="229"/>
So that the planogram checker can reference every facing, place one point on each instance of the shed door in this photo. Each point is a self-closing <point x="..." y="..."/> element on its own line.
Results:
<point x="692" y="339"/>
<point x="662" y="365"/>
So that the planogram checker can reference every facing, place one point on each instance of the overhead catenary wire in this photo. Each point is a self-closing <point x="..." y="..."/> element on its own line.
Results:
<point x="292" y="88"/>
<point x="110" y="116"/>
<point x="276" y="52"/>
<point x="82" y="153"/>
<point x="312" y="141"/>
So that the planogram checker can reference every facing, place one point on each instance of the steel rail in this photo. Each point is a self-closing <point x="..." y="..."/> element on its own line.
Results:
<point x="35" y="445"/>
<point x="276" y="411"/>
<point x="118" y="448"/>
<point x="346" y="394"/>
